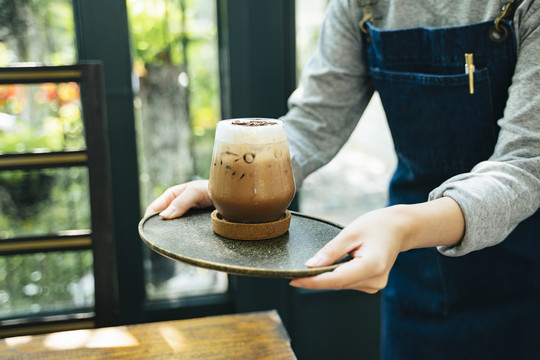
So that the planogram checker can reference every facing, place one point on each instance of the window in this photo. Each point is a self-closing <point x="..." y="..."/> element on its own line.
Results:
<point x="33" y="202"/>
<point x="176" y="72"/>
<point x="177" y="39"/>
<point x="44" y="210"/>
<point x="52" y="186"/>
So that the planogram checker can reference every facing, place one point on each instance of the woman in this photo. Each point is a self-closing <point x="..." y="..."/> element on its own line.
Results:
<point x="457" y="254"/>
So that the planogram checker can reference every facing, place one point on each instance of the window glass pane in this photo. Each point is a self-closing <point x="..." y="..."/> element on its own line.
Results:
<point x="356" y="180"/>
<point x="41" y="202"/>
<point x="175" y="65"/>
<point x="46" y="282"/>
<point x="39" y="31"/>
<point x="40" y="117"/>
<point x="172" y="280"/>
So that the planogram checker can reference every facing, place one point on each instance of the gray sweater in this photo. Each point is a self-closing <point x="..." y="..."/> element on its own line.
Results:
<point x="497" y="194"/>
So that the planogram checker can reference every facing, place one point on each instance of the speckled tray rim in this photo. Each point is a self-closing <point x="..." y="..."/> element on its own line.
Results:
<point x="241" y="270"/>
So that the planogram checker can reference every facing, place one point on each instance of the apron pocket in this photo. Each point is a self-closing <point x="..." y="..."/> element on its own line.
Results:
<point x="463" y="130"/>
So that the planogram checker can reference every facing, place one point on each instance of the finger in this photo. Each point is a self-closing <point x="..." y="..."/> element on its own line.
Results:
<point x="163" y="201"/>
<point x="186" y="200"/>
<point x="342" y="244"/>
<point x="366" y="289"/>
<point x="350" y="275"/>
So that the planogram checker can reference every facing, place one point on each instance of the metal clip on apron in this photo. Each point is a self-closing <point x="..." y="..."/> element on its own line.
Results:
<point x="434" y="304"/>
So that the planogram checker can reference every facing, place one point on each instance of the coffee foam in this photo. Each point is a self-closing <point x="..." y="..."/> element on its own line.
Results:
<point x="239" y="131"/>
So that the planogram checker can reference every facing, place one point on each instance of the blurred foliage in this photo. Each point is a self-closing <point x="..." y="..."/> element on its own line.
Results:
<point x="38" y="202"/>
<point x="166" y="32"/>
<point x="42" y="202"/>
<point x="45" y="282"/>
<point x="183" y="34"/>
<point x="41" y="31"/>
<point x="45" y="116"/>
<point x="34" y="118"/>
<point x="177" y="37"/>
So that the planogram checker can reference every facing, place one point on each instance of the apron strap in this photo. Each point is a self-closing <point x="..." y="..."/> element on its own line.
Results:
<point x="499" y="33"/>
<point x="367" y="16"/>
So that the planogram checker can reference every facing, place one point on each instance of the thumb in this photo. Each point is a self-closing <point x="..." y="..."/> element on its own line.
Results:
<point x="163" y="202"/>
<point x="195" y="195"/>
<point x="342" y="244"/>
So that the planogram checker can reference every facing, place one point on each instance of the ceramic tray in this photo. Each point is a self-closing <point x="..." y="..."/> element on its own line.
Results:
<point x="190" y="239"/>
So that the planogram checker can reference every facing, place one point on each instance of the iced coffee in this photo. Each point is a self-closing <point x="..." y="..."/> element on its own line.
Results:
<point x="251" y="179"/>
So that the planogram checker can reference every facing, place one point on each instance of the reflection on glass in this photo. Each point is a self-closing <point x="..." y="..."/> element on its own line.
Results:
<point x="170" y="279"/>
<point x="41" y="202"/>
<point x="175" y="64"/>
<point x="44" y="117"/>
<point x="46" y="282"/>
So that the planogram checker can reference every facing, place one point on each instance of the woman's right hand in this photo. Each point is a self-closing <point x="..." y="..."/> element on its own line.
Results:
<point x="176" y="200"/>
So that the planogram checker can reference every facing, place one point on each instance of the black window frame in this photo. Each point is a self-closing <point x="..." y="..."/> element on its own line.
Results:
<point x="95" y="157"/>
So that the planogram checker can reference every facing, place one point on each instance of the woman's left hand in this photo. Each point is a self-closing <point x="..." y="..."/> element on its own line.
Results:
<point x="373" y="240"/>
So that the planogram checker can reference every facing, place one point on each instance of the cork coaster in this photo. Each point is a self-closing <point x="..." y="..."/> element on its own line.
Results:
<point x="244" y="231"/>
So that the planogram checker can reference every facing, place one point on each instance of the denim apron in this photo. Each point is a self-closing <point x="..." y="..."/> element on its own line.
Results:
<point x="486" y="304"/>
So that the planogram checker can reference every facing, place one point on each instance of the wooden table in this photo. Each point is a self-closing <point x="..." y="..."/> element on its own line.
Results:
<point x="242" y="336"/>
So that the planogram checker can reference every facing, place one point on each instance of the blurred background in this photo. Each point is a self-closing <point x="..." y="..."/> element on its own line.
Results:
<point x="179" y="61"/>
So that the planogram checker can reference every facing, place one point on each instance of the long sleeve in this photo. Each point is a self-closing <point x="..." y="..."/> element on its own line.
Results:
<point x="500" y="193"/>
<point x="497" y="194"/>
<point x="333" y="93"/>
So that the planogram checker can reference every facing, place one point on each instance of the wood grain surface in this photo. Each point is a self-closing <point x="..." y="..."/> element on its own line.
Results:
<point x="241" y="336"/>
